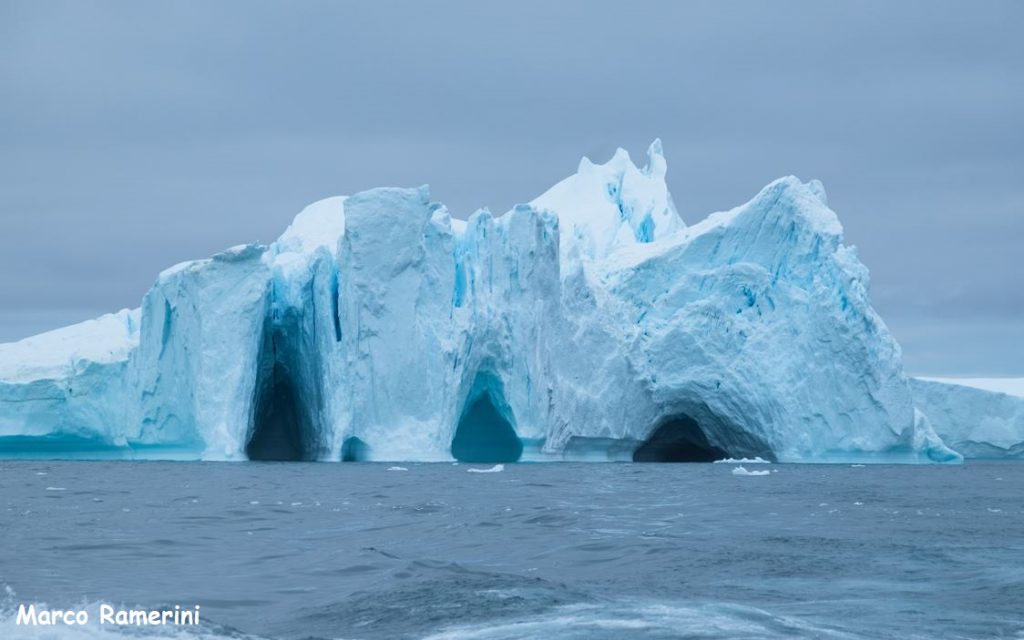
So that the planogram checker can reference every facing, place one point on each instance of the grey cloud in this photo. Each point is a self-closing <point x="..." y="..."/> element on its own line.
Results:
<point x="136" y="135"/>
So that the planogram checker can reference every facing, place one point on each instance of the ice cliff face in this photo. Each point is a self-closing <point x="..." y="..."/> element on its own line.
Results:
<point x="588" y="324"/>
<point x="978" y="422"/>
<point x="64" y="392"/>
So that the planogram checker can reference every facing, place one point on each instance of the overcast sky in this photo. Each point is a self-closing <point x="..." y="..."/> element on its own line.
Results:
<point x="135" y="135"/>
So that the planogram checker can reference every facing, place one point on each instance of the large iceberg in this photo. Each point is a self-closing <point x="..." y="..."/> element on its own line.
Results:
<point x="980" y="418"/>
<point x="591" y="323"/>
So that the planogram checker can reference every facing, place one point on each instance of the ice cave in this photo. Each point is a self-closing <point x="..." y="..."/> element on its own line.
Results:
<point x="485" y="435"/>
<point x="678" y="439"/>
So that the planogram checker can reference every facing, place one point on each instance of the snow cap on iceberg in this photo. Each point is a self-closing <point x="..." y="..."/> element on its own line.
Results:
<point x="60" y="353"/>
<point x="605" y="206"/>
<point x="321" y="224"/>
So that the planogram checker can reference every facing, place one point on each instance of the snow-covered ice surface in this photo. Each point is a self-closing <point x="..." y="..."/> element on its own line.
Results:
<point x="979" y="417"/>
<point x="583" y="325"/>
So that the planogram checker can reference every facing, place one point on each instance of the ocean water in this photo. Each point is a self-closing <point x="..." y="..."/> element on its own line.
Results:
<point x="359" y="550"/>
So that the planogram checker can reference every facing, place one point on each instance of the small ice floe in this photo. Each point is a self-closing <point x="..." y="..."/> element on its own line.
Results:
<point x="56" y="489"/>
<point x="254" y="502"/>
<point x="743" y="471"/>
<point x="991" y="510"/>
<point x="755" y="460"/>
<point x="856" y="466"/>
<point x="40" y="473"/>
<point x="495" y="469"/>
<point x="397" y="469"/>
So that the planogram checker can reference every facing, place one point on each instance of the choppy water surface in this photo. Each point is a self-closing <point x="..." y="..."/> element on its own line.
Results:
<point x="542" y="550"/>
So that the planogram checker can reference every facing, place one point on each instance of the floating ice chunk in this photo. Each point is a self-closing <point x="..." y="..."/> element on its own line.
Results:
<point x="397" y="469"/>
<point x="495" y="469"/>
<point x="755" y="460"/>
<point x="56" y="489"/>
<point x="743" y="471"/>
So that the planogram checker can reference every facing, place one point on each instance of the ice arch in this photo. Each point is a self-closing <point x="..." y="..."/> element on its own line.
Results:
<point x="278" y="432"/>
<point x="678" y="439"/>
<point x="699" y="434"/>
<point x="485" y="433"/>
<point x="354" y="450"/>
<point x="286" y="403"/>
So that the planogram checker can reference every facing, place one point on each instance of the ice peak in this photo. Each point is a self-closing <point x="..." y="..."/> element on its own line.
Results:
<point x="606" y="206"/>
<point x="789" y="196"/>
<point x="621" y="158"/>
<point x="819" y="190"/>
<point x="656" y="164"/>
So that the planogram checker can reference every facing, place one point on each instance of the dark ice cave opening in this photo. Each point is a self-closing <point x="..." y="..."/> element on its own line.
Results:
<point x="278" y="424"/>
<point x="484" y="435"/>
<point x="354" y="450"/>
<point x="678" y="439"/>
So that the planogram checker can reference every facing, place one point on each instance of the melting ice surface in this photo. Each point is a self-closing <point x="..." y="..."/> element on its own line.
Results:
<point x="591" y="323"/>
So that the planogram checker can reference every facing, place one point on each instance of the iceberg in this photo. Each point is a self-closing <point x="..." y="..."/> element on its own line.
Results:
<point x="588" y="324"/>
<point x="980" y="417"/>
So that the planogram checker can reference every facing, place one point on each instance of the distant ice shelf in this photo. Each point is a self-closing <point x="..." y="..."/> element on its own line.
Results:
<point x="589" y="324"/>
<point x="1008" y="386"/>
<point x="979" y="417"/>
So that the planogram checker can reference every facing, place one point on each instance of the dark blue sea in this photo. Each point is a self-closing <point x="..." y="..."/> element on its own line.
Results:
<point x="360" y="550"/>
